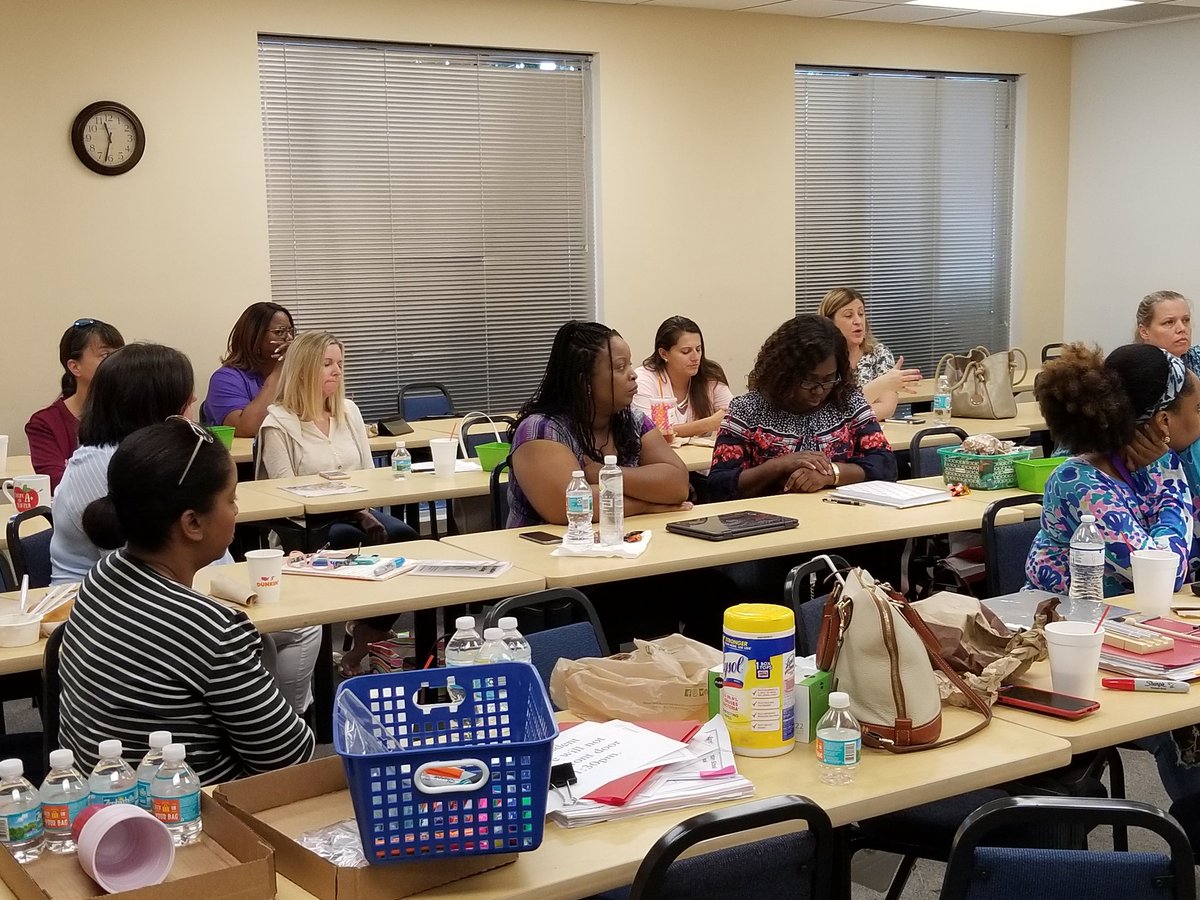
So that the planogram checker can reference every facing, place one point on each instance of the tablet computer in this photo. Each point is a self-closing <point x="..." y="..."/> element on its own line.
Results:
<point x="727" y="526"/>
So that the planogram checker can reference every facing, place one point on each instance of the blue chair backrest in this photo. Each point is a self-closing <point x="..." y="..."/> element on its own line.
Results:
<point x="36" y="549"/>
<point x="1004" y="873"/>
<point x="499" y="493"/>
<point x="1011" y="543"/>
<point x="426" y="406"/>
<point x="574" y="641"/>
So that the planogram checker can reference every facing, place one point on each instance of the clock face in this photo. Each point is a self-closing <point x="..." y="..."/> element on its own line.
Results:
<point x="108" y="138"/>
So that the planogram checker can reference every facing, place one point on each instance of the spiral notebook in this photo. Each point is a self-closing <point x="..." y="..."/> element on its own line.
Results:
<point x="891" y="493"/>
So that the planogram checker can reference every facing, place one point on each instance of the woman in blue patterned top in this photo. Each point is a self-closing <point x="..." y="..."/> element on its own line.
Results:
<point x="1117" y="416"/>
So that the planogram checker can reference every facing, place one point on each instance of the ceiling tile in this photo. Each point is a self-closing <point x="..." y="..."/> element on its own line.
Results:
<point x="904" y="13"/>
<point x="703" y="4"/>
<point x="1183" y="2"/>
<point x="985" y="20"/>
<point x="1066" y="26"/>
<point x="819" y="7"/>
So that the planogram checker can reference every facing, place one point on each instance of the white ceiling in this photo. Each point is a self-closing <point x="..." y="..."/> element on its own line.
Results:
<point x="1145" y="13"/>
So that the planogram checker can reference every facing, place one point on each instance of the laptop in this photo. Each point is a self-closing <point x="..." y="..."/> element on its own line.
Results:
<point x="732" y="525"/>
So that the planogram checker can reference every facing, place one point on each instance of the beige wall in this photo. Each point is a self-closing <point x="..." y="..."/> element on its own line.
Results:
<point x="694" y="160"/>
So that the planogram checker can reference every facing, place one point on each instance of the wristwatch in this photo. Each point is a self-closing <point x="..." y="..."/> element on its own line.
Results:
<point x="837" y="474"/>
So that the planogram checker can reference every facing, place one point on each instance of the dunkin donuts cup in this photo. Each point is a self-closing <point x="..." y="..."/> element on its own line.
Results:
<point x="122" y="847"/>
<point x="1154" y="580"/>
<point x="1074" y="657"/>
<point x="445" y="452"/>
<point x="265" y="569"/>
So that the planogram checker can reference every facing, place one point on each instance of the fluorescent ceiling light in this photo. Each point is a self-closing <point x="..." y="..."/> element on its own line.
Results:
<point x="1028" y="7"/>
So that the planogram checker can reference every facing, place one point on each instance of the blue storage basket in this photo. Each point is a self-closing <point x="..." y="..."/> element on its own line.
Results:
<point x="462" y="778"/>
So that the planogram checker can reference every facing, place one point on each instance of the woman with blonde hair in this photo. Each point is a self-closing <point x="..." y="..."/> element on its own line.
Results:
<point x="880" y="375"/>
<point x="312" y="427"/>
<point x="1164" y="319"/>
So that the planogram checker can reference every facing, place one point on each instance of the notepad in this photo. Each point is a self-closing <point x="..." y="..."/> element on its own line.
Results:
<point x="890" y="493"/>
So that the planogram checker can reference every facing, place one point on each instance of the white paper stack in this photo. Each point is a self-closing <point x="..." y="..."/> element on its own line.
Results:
<point x="891" y="493"/>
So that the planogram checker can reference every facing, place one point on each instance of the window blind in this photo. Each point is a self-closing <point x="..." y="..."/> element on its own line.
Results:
<point x="431" y="207"/>
<point x="904" y="191"/>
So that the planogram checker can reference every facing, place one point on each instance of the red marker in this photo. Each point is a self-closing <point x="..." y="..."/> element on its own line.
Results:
<point x="1157" y="685"/>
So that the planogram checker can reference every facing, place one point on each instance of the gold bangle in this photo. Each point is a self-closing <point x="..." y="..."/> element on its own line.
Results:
<point x="837" y="474"/>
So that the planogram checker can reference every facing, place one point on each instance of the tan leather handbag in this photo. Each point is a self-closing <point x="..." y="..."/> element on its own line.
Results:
<point x="880" y="652"/>
<point x="981" y="382"/>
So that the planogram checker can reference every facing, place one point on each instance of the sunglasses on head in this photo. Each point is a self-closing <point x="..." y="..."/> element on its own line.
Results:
<point x="84" y="323"/>
<point x="203" y="436"/>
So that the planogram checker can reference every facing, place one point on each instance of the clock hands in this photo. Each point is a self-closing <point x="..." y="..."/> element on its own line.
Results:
<point x="108" y="147"/>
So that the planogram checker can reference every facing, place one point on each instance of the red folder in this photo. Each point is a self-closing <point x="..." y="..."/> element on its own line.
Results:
<point x="1185" y="653"/>
<point x="619" y="792"/>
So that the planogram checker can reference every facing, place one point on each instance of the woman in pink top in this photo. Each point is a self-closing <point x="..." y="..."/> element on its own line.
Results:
<point x="693" y="387"/>
<point x="53" y="431"/>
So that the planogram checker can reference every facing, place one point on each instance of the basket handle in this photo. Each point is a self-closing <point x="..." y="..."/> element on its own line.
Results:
<point x="451" y="776"/>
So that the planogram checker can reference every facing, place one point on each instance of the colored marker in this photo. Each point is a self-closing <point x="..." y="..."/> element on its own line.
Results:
<point x="1156" y="685"/>
<point x="841" y="501"/>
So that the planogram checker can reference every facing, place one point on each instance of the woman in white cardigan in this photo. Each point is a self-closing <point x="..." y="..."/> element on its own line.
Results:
<point x="313" y="428"/>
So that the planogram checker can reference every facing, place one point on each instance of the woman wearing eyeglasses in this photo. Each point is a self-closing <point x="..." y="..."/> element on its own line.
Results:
<point x="805" y="425"/>
<point x="143" y="650"/>
<point x="248" y="381"/>
<point x="53" y="432"/>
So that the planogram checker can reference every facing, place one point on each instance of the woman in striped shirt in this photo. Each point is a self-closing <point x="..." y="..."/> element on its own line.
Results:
<point x="142" y="650"/>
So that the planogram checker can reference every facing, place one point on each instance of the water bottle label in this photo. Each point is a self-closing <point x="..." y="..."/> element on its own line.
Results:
<point x="581" y="504"/>
<point x="838" y="753"/>
<point x="106" y="798"/>
<point x="1081" y="557"/>
<point x="21" y="826"/>
<point x="143" y="794"/>
<point x="402" y="465"/>
<point x="61" y="816"/>
<point x="177" y="810"/>
<point x="941" y="402"/>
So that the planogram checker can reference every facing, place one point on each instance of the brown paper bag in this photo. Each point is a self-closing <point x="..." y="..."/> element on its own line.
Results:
<point x="662" y="679"/>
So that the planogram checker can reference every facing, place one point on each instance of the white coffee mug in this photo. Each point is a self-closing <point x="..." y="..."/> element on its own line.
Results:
<point x="27" y="491"/>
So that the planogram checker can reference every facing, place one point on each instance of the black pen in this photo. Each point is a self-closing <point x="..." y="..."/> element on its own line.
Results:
<point x="842" y="501"/>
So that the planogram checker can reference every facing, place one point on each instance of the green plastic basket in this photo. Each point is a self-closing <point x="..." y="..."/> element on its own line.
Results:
<point x="980" y="472"/>
<point x="224" y="434"/>
<point x="492" y="454"/>
<point x="1032" y="474"/>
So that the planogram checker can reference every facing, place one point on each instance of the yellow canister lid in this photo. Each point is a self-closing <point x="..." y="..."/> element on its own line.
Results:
<point x="759" y="618"/>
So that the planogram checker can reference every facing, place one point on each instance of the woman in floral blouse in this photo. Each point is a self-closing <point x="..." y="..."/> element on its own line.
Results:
<point x="881" y="376"/>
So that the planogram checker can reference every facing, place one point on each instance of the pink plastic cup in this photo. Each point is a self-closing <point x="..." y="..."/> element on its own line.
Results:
<point x="122" y="847"/>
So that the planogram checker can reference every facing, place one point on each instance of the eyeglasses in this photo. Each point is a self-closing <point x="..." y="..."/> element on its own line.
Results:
<point x="203" y="436"/>
<point x="821" y="385"/>
<point x="285" y="331"/>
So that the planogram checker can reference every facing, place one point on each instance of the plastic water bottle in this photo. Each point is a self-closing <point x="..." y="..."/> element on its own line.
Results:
<point x="941" y="401"/>
<point x="514" y="640"/>
<point x="612" y="504"/>
<point x="401" y="462"/>
<point x="579" y="512"/>
<point x="839" y="741"/>
<point x="64" y="796"/>
<point x="149" y="765"/>
<point x="175" y="796"/>
<point x="112" y="781"/>
<point x="1087" y="560"/>
<point x="20" y="813"/>
<point x="463" y="647"/>
<point x="494" y="649"/>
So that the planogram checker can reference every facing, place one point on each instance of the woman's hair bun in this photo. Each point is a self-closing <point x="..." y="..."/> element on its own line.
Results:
<point x="101" y="525"/>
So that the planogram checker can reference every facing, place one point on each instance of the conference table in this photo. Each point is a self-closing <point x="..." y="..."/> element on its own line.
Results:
<point x="1028" y="419"/>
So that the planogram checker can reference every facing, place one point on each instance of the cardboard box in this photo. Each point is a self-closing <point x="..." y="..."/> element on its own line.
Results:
<point x="812" y="702"/>
<point x="714" y="690"/>
<point x="229" y="862"/>
<point x="281" y="806"/>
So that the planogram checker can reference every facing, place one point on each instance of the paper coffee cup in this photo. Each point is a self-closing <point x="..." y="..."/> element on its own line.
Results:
<point x="265" y="569"/>
<point x="445" y="452"/>
<point x="27" y="491"/>
<point x="123" y="847"/>
<point x="1154" y="580"/>
<point x="1074" y="649"/>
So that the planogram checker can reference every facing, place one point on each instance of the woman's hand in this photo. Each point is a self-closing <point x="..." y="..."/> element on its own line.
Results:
<point x="711" y="423"/>
<point x="809" y="460"/>
<point x="1148" y="446"/>
<point x="807" y="481"/>
<point x="376" y="533"/>
<point x="898" y="378"/>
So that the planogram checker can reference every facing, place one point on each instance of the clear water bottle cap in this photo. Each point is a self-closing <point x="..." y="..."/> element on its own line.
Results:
<point x="1087" y="517"/>
<point x="464" y="623"/>
<point x="610" y="460"/>
<point x="159" y="739"/>
<point x="399" y="445"/>
<point x="508" y="623"/>
<point x="109" y="749"/>
<point x="492" y="634"/>
<point x="174" y="753"/>
<point x="61" y="759"/>
<point x="11" y="768"/>
<point x="839" y="700"/>
<point x="578" y="473"/>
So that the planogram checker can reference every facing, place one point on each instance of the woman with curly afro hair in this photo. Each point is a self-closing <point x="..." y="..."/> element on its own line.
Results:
<point x="1123" y="417"/>
<point x="804" y="425"/>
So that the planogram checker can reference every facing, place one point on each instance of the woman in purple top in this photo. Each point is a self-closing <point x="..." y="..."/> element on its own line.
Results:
<point x="248" y="381"/>
<point x="53" y="432"/>
<point x="579" y="414"/>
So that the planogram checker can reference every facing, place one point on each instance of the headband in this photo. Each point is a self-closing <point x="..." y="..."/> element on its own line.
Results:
<point x="1176" y="379"/>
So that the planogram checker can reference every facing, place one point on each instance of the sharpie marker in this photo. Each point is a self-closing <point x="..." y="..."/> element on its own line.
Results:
<point x="1157" y="685"/>
<point x="841" y="501"/>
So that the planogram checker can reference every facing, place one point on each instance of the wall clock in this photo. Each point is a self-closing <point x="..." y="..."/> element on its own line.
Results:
<point x="108" y="138"/>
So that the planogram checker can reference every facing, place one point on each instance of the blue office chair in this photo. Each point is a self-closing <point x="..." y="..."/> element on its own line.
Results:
<point x="569" y="627"/>
<point x="424" y="400"/>
<point x="922" y="460"/>
<point x="802" y="590"/>
<point x="498" y="488"/>
<point x="31" y="553"/>
<point x="1052" y="351"/>
<point x="977" y="871"/>
<point x="795" y="865"/>
<point x="1006" y="547"/>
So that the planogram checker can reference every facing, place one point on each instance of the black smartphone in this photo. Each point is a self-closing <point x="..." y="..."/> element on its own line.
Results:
<point x="906" y="420"/>
<point x="1052" y="704"/>
<point x="541" y="537"/>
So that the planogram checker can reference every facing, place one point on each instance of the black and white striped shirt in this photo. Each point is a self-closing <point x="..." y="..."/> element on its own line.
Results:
<point x="144" y="653"/>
